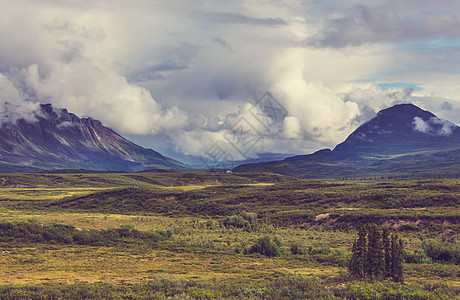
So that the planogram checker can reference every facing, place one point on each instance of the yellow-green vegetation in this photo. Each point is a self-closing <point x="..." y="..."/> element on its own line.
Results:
<point x="213" y="235"/>
<point x="34" y="194"/>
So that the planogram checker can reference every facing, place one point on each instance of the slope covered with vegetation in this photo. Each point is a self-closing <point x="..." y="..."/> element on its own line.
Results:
<point x="164" y="234"/>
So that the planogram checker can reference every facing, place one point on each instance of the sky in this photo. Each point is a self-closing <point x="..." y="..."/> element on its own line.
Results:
<point x="229" y="80"/>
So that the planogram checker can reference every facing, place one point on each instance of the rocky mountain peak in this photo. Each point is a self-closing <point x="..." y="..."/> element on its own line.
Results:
<point x="398" y="129"/>
<point x="402" y="138"/>
<point x="53" y="138"/>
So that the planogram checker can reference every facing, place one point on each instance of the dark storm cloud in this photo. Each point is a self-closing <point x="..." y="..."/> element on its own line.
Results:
<point x="363" y="24"/>
<point x="165" y="61"/>
<point x="157" y="71"/>
<point x="234" y="18"/>
<point x="222" y="42"/>
<point x="446" y="106"/>
<point x="70" y="50"/>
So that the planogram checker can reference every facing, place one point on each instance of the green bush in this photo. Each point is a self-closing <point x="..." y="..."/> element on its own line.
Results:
<point x="297" y="248"/>
<point x="243" y="220"/>
<point x="449" y="253"/>
<point x="236" y="222"/>
<point x="288" y="287"/>
<point x="417" y="257"/>
<point x="27" y="232"/>
<point x="409" y="227"/>
<point x="267" y="246"/>
<point x="282" y="287"/>
<point x="250" y="217"/>
<point x="385" y="290"/>
<point x="322" y="250"/>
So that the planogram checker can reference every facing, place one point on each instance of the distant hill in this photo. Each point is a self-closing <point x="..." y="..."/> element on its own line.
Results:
<point x="57" y="139"/>
<point x="400" y="139"/>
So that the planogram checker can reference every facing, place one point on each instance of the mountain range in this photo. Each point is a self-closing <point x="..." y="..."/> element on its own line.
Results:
<point x="400" y="139"/>
<point x="57" y="139"/>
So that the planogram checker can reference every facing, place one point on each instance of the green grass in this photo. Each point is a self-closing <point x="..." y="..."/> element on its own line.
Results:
<point x="289" y="203"/>
<point x="214" y="220"/>
<point x="279" y="287"/>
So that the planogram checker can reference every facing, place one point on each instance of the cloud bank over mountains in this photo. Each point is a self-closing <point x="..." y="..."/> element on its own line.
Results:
<point x="182" y="73"/>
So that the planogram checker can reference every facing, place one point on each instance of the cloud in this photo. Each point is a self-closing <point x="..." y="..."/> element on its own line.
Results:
<point x="236" y="18"/>
<point x="11" y="113"/>
<point x="8" y="92"/>
<point x="13" y="105"/>
<point x="74" y="67"/>
<point x="434" y="126"/>
<point x="373" y="99"/>
<point x="222" y="42"/>
<point x="420" y="125"/>
<point x="446" y="126"/>
<point x="292" y="127"/>
<point x="446" y="106"/>
<point x="180" y="72"/>
<point x="377" y="23"/>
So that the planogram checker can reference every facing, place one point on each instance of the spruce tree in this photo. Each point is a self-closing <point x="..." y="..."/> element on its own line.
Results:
<point x="387" y="249"/>
<point x="394" y="251"/>
<point x="375" y="254"/>
<point x="398" y="261"/>
<point x="359" y="255"/>
<point x="397" y="254"/>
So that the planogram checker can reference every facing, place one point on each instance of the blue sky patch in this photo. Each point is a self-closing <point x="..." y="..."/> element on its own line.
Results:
<point x="398" y="85"/>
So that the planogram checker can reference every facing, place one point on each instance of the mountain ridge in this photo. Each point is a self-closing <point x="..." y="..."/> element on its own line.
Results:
<point x="400" y="128"/>
<point x="57" y="139"/>
<point x="398" y="139"/>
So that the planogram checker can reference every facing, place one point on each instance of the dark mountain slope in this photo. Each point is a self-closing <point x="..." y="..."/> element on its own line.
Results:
<point x="400" y="129"/>
<point x="58" y="139"/>
<point x="403" y="138"/>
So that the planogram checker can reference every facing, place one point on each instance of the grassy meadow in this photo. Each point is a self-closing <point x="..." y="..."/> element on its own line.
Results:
<point x="160" y="235"/>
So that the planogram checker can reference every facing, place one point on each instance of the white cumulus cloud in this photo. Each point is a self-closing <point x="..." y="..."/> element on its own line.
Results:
<point x="181" y="72"/>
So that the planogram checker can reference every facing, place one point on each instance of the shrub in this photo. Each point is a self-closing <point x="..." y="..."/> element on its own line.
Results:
<point x="26" y="232"/>
<point x="390" y="290"/>
<point x="297" y="248"/>
<point x="282" y="287"/>
<point x="322" y="250"/>
<point x="408" y="227"/>
<point x="267" y="246"/>
<point x="418" y="257"/>
<point x="449" y="253"/>
<point x="250" y="217"/>
<point x="236" y="222"/>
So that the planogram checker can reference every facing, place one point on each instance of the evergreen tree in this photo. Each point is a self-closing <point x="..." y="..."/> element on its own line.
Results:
<point x="359" y="255"/>
<point x="398" y="261"/>
<point x="375" y="254"/>
<point x="394" y="250"/>
<point x="387" y="250"/>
